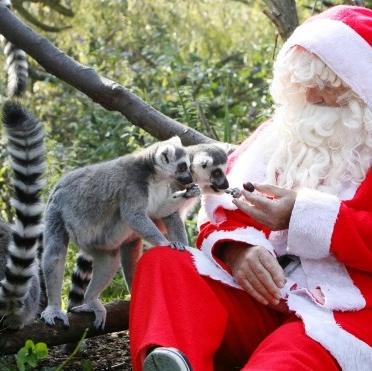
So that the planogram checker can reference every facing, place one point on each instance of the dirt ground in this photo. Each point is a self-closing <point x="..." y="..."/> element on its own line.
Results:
<point x="106" y="352"/>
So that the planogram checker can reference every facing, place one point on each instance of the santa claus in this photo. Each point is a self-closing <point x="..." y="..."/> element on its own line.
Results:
<point x="282" y="276"/>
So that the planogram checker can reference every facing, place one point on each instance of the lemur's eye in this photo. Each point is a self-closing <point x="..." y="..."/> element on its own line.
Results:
<point x="166" y="157"/>
<point x="217" y="173"/>
<point x="182" y="167"/>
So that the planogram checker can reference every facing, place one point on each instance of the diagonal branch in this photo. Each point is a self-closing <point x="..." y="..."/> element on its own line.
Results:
<point x="101" y="90"/>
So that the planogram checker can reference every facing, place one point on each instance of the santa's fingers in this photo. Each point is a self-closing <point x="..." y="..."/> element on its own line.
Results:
<point x="256" y="289"/>
<point x="254" y="206"/>
<point x="260" y="285"/>
<point x="273" y="213"/>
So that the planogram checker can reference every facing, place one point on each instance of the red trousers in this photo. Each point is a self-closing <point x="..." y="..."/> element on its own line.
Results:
<point x="216" y="326"/>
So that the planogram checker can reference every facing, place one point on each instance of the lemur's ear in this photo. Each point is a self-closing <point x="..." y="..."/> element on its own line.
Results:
<point x="227" y="147"/>
<point x="176" y="140"/>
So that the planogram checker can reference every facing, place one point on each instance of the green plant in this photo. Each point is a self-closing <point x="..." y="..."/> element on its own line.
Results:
<point x="29" y="356"/>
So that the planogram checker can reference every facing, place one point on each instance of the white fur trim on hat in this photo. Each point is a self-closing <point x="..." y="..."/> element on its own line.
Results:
<point x="338" y="45"/>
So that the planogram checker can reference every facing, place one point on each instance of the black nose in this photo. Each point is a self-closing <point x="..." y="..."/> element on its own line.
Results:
<point x="185" y="179"/>
<point x="221" y="185"/>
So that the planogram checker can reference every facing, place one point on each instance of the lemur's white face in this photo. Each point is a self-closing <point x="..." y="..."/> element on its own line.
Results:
<point x="208" y="175"/>
<point x="173" y="162"/>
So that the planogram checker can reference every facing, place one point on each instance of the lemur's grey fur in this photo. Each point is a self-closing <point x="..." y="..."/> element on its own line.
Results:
<point x="20" y="244"/>
<point x="103" y="206"/>
<point x="208" y="167"/>
<point x="16" y="64"/>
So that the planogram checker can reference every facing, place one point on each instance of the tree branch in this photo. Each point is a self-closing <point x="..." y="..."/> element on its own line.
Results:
<point x="117" y="320"/>
<point x="101" y="90"/>
<point x="283" y="14"/>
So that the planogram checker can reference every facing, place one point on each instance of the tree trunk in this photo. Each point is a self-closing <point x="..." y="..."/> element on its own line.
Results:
<point x="283" y="14"/>
<point x="117" y="320"/>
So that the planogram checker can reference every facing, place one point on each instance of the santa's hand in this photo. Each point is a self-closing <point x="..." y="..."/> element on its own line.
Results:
<point x="257" y="271"/>
<point x="272" y="206"/>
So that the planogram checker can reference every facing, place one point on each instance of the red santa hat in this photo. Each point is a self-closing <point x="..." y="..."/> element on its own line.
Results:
<point x="342" y="37"/>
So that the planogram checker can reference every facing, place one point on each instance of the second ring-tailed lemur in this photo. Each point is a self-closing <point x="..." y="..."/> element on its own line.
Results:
<point x="100" y="207"/>
<point x="208" y="168"/>
<point x="20" y="244"/>
<point x="16" y="64"/>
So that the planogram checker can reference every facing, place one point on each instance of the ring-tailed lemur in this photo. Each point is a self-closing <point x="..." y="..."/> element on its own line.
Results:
<point x="101" y="206"/>
<point x="16" y="65"/>
<point x="20" y="244"/>
<point x="208" y="168"/>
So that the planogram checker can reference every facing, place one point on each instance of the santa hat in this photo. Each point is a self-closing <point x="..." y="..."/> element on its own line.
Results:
<point x="342" y="38"/>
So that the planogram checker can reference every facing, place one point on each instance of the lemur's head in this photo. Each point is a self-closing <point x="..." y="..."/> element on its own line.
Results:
<point x="172" y="161"/>
<point x="209" y="164"/>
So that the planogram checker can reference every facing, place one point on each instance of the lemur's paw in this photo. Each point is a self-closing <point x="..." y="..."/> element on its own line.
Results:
<point x="193" y="191"/>
<point x="53" y="312"/>
<point x="234" y="192"/>
<point x="98" y="310"/>
<point x="176" y="245"/>
<point x="178" y="194"/>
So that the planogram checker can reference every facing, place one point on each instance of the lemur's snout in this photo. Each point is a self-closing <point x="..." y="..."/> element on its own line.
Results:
<point x="185" y="178"/>
<point x="217" y="186"/>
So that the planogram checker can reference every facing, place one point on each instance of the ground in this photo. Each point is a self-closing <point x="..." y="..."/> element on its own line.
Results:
<point x="106" y="352"/>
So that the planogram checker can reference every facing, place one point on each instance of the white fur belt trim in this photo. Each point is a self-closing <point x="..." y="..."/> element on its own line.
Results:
<point x="351" y="353"/>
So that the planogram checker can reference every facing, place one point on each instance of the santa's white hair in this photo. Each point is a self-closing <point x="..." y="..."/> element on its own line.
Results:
<point x="314" y="145"/>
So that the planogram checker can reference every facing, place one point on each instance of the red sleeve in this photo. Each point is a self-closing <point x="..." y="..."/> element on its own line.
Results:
<point x="352" y="237"/>
<point x="234" y="219"/>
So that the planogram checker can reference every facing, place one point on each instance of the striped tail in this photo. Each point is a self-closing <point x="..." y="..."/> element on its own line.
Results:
<point x="16" y="65"/>
<point x="80" y="280"/>
<point x="18" y="294"/>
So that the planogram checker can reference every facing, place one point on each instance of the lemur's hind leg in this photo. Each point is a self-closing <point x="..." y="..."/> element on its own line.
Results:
<point x="105" y="265"/>
<point x="54" y="257"/>
<point x="130" y="253"/>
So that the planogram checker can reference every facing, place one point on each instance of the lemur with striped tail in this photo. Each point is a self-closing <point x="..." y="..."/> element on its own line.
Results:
<point x="20" y="244"/>
<point x="208" y="169"/>
<point x="101" y="206"/>
<point x="16" y="65"/>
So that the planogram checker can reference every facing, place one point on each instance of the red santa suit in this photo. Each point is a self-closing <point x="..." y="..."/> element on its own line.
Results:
<point x="330" y="289"/>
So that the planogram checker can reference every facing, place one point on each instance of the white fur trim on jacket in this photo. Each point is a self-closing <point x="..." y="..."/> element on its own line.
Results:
<point x="209" y="267"/>
<point x="312" y="223"/>
<point x="351" y="353"/>
<point x="249" y="235"/>
<point x="206" y="263"/>
<point x="332" y="278"/>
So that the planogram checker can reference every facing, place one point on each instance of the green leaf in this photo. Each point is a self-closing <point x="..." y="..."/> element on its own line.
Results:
<point x="41" y="350"/>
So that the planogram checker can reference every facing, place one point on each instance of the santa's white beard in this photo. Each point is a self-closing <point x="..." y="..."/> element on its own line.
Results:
<point x="320" y="147"/>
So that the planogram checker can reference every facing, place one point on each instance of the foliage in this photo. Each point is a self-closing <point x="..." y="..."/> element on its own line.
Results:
<point x="28" y="356"/>
<point x="205" y="63"/>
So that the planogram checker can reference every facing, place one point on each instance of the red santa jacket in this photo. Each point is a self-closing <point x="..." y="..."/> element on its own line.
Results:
<point x="331" y="235"/>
